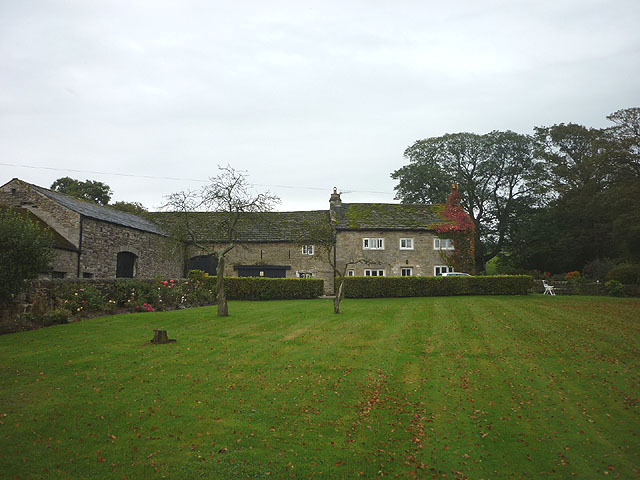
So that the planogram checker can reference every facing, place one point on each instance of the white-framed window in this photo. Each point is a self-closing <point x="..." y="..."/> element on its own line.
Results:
<point x="406" y="272"/>
<point x="304" y="274"/>
<point x="373" y="243"/>
<point x="351" y="273"/>
<point x="307" y="249"/>
<point x="406" y="244"/>
<point x="372" y="272"/>
<point x="442" y="244"/>
<point x="440" y="269"/>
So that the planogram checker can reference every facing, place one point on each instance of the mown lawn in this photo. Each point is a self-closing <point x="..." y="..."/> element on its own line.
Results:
<point x="467" y="387"/>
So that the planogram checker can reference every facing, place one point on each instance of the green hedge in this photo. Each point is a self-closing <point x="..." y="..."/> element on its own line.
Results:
<point x="372" y="287"/>
<point x="628" y="274"/>
<point x="257" y="288"/>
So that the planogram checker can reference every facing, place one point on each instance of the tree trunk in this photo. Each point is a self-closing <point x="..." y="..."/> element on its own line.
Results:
<point x="478" y="251"/>
<point x="221" y="295"/>
<point x="338" y="297"/>
<point x="160" y="336"/>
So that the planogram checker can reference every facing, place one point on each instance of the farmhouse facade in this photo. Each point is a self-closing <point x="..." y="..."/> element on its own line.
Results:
<point x="369" y="239"/>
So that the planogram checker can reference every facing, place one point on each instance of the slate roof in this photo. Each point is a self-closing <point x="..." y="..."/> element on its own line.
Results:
<point x="388" y="216"/>
<point x="253" y="227"/>
<point x="267" y="226"/>
<point x="58" y="241"/>
<point x="106" y="214"/>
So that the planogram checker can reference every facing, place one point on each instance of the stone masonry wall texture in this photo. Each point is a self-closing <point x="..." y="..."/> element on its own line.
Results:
<point x="61" y="219"/>
<point x="422" y="259"/>
<point x="275" y="253"/>
<point x="101" y="242"/>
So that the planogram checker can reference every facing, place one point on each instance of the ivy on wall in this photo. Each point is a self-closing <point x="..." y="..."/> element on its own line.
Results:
<point x="459" y="227"/>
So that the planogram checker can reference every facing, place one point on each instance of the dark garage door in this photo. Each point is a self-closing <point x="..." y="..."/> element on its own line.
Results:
<point x="203" y="262"/>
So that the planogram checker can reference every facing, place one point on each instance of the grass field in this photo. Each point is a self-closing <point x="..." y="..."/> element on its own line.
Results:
<point x="460" y="387"/>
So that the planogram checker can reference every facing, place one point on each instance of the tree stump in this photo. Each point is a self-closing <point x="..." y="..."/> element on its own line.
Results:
<point x="160" y="336"/>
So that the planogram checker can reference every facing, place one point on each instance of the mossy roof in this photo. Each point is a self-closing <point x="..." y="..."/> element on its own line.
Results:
<point x="252" y="227"/>
<point x="388" y="216"/>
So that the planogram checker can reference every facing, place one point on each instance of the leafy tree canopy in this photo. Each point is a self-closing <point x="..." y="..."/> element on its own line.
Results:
<point x="130" y="207"/>
<point x="497" y="174"/>
<point x="91" y="190"/>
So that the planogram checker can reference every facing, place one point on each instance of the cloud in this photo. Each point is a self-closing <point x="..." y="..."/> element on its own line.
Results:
<point x="297" y="93"/>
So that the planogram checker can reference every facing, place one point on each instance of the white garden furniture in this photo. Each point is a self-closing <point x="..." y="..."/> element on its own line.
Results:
<point x="548" y="289"/>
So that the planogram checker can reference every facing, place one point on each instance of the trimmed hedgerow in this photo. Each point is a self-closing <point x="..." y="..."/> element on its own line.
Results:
<point x="372" y="287"/>
<point x="256" y="288"/>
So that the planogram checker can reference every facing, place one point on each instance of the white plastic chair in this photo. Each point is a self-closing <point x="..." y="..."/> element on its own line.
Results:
<point x="548" y="289"/>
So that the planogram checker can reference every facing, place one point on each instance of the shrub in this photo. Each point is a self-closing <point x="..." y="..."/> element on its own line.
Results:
<point x="572" y="276"/>
<point x="196" y="292"/>
<point x="55" y="317"/>
<point x="614" y="288"/>
<point x="370" y="287"/>
<point x="80" y="298"/>
<point x="597" y="269"/>
<point x="131" y="293"/>
<point x="628" y="274"/>
<point x="145" y="307"/>
<point x="25" y="251"/>
<point x="256" y="288"/>
<point x="197" y="275"/>
<point x="169" y="293"/>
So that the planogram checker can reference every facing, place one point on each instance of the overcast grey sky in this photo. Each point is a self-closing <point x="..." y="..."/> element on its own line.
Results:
<point x="298" y="93"/>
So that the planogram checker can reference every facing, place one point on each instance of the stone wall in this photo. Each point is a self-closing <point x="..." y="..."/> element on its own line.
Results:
<point x="64" y="262"/>
<point x="276" y="253"/>
<point x="421" y="259"/>
<point x="101" y="242"/>
<point x="66" y="222"/>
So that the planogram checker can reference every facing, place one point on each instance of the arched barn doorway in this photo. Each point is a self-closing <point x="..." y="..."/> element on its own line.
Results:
<point x="126" y="265"/>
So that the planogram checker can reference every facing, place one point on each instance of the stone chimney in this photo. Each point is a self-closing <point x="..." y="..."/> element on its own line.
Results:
<point x="454" y="196"/>
<point x="334" y="200"/>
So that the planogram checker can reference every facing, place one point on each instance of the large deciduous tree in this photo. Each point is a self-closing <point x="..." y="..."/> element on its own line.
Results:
<point x="593" y="214"/>
<point x="498" y="177"/>
<point x="91" y="190"/>
<point x="229" y="198"/>
<point x="25" y="251"/>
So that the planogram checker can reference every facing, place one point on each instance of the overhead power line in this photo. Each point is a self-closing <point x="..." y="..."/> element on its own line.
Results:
<point x="184" y="179"/>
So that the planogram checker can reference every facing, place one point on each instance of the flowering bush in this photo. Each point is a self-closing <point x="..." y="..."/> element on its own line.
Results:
<point x="145" y="307"/>
<point x="572" y="276"/>
<point x="80" y="300"/>
<point x="168" y="294"/>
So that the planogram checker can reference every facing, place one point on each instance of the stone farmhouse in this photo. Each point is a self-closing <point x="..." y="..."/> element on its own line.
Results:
<point x="371" y="239"/>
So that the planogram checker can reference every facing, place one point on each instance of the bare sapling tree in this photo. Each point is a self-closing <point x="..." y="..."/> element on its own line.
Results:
<point x="210" y="219"/>
<point x="324" y="236"/>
